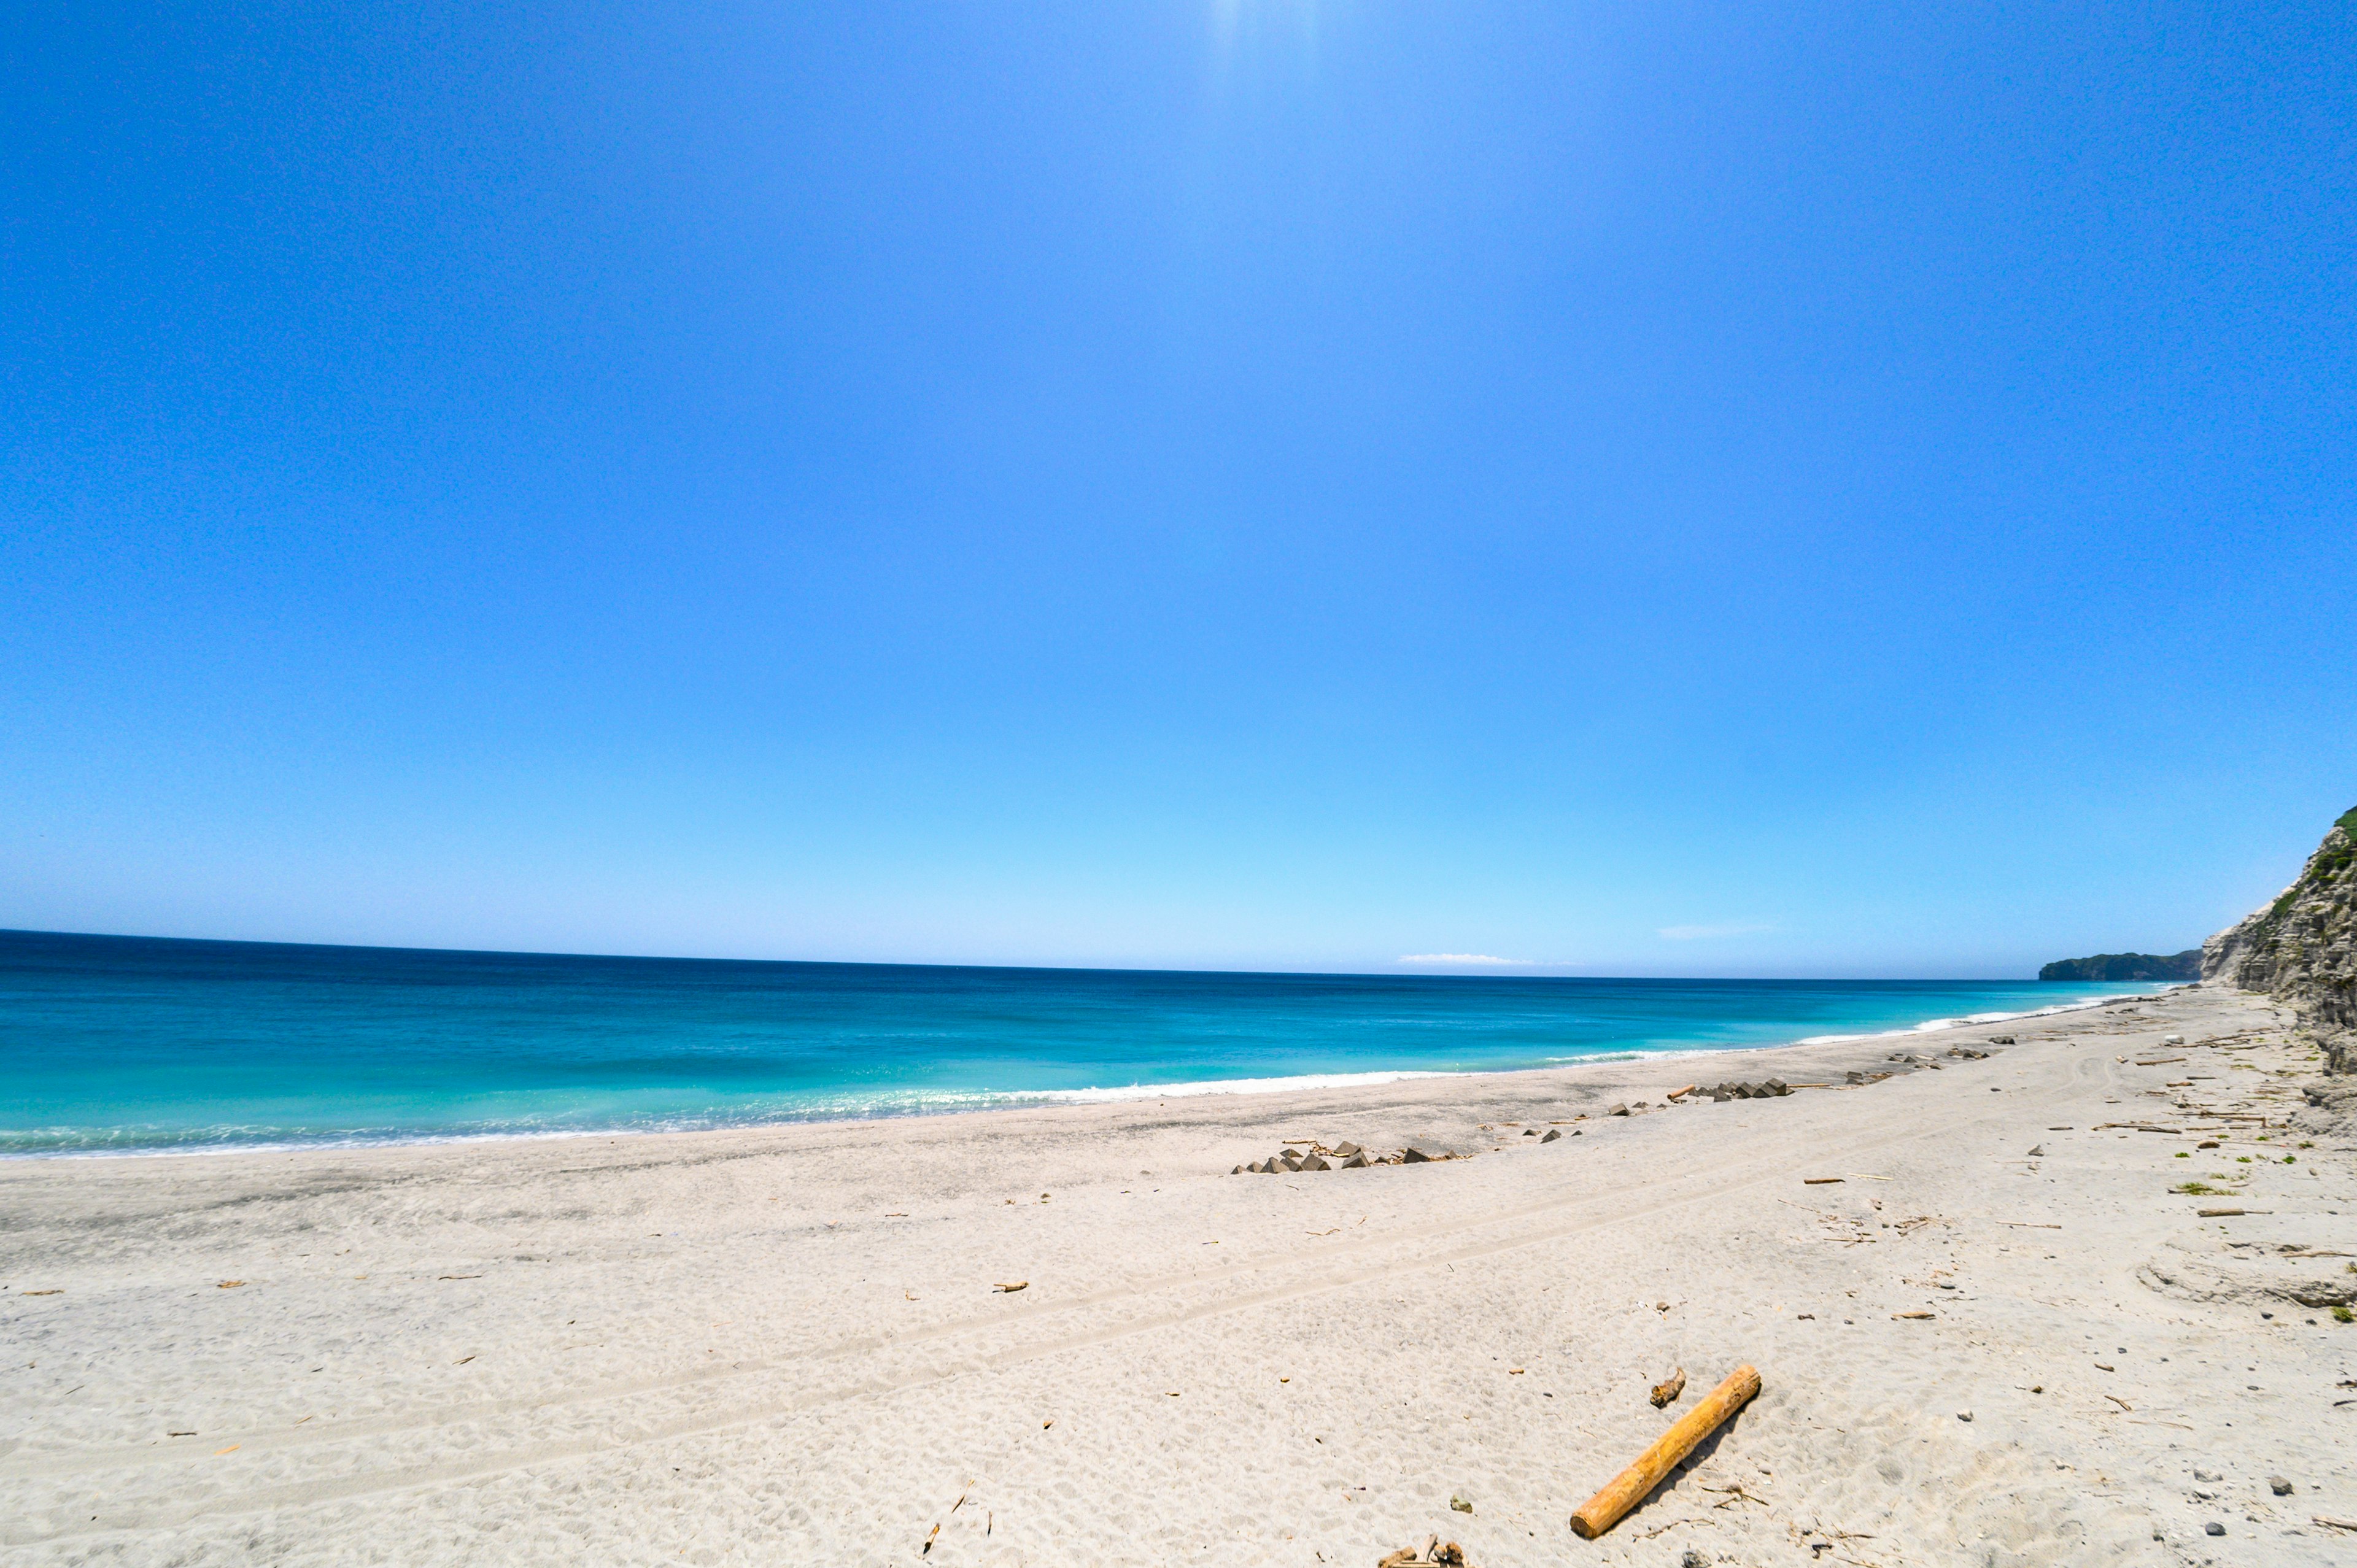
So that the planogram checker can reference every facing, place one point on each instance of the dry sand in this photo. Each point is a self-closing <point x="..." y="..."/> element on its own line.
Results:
<point x="785" y="1346"/>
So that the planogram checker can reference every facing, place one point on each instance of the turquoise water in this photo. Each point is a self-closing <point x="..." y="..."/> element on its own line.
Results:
<point x="135" y="1045"/>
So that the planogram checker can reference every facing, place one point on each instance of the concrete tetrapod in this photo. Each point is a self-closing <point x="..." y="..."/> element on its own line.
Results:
<point x="1627" y="1490"/>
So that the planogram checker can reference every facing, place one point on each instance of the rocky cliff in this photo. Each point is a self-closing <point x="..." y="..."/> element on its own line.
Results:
<point x="2303" y="947"/>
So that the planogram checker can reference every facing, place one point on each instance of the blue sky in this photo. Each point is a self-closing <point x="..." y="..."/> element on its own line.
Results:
<point x="1834" y="489"/>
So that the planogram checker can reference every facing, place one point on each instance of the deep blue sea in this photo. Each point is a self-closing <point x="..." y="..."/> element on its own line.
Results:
<point x="138" y="1045"/>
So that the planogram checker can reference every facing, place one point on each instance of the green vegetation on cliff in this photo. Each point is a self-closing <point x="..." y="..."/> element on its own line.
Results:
<point x="2302" y="948"/>
<point x="2186" y="965"/>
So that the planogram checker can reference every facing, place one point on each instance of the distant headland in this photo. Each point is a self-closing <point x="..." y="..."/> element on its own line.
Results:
<point x="2186" y="965"/>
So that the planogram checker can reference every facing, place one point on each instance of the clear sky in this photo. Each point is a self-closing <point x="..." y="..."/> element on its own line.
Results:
<point x="1828" y="488"/>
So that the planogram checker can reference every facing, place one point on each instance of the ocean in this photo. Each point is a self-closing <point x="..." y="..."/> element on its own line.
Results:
<point x="131" y="1045"/>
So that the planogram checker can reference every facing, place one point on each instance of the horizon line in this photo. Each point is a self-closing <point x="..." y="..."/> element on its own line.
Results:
<point x="9" y="931"/>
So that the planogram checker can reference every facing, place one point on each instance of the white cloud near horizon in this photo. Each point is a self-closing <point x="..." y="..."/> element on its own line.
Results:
<point x="1700" y="933"/>
<point x="1483" y="959"/>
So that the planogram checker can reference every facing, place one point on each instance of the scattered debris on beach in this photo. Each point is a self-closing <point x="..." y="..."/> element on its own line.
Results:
<point x="1309" y="1154"/>
<point x="1434" y="1551"/>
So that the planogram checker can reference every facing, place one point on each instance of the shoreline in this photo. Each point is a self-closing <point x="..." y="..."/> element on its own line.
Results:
<point x="1064" y="1335"/>
<point x="1019" y="1100"/>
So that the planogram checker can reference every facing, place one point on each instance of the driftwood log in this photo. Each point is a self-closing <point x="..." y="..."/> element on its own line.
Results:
<point x="1627" y="1490"/>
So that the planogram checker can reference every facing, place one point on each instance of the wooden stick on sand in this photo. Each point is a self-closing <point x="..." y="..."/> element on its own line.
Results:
<point x="1627" y="1490"/>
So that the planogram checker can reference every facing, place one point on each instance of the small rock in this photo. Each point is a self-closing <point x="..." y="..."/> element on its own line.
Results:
<point x="2036" y="1151"/>
<point x="2000" y="1040"/>
<point x="1356" y="1162"/>
<point x="2213" y="1527"/>
<point x="1530" y="1132"/>
<point x="1964" y="1415"/>
<point x="1461" y="1504"/>
<point x="1693" y="1557"/>
<point x="1618" y="1111"/>
<point x="1552" y="1135"/>
<point x="2172" y="1040"/>
<point x="2208" y="1476"/>
<point x="1413" y="1158"/>
<point x="2279" y="1486"/>
<point x="1777" y="1087"/>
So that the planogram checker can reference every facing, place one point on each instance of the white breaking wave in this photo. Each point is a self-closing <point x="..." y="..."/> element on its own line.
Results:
<point x="1215" y="1086"/>
<point x="1975" y="1020"/>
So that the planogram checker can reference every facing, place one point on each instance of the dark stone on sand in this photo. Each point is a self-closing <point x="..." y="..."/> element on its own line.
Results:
<point x="1552" y="1135"/>
<point x="1356" y="1162"/>
<point x="1346" y="1149"/>
<point x="1618" y="1111"/>
<point x="1415" y="1157"/>
<point x="2279" y="1486"/>
<point x="1315" y="1163"/>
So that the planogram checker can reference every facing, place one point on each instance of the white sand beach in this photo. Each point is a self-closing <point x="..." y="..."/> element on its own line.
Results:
<point x="786" y="1345"/>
